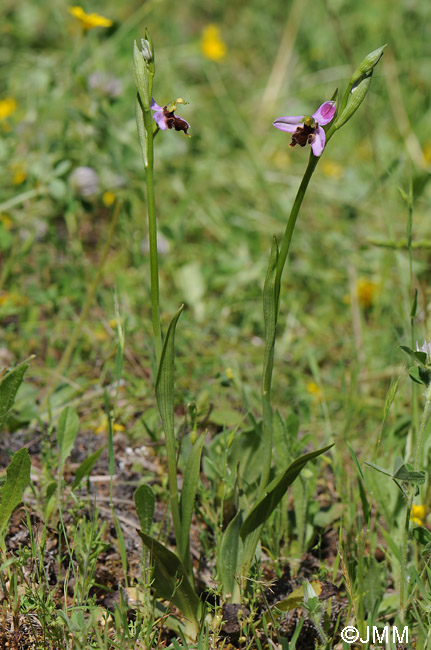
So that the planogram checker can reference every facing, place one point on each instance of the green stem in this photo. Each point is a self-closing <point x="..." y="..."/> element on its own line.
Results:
<point x="285" y="244"/>
<point x="152" y="233"/>
<point x="422" y="428"/>
<point x="269" y="358"/>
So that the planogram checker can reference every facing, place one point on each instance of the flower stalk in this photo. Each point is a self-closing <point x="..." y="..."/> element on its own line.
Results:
<point x="144" y="68"/>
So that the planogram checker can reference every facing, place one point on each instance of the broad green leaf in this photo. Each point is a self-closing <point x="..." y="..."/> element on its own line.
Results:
<point x="187" y="501"/>
<point x="275" y="491"/>
<point x="67" y="430"/>
<point x="171" y="582"/>
<point x="230" y="560"/>
<point x="17" y="477"/>
<point x="86" y="466"/>
<point x="9" y="385"/>
<point x="144" y="503"/>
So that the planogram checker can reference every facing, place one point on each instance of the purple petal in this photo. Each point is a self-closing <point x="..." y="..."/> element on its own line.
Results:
<point x="325" y="113"/>
<point x="160" y="118"/>
<point x="289" y="124"/>
<point x="154" y="106"/>
<point x="319" y="142"/>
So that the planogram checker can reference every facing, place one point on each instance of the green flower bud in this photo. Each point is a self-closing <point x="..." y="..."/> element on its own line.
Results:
<point x="368" y="64"/>
<point x="142" y="77"/>
<point x="358" y="87"/>
<point x="146" y="50"/>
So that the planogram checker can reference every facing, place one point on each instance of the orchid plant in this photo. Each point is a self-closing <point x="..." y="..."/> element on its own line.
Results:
<point x="173" y="572"/>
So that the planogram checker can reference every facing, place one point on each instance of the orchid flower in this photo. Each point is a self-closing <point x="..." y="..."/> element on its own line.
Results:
<point x="307" y="129"/>
<point x="166" y="119"/>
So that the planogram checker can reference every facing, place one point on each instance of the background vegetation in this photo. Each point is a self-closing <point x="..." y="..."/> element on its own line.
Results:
<point x="67" y="101"/>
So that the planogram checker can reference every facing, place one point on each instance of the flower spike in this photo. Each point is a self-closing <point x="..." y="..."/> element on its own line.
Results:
<point x="307" y="129"/>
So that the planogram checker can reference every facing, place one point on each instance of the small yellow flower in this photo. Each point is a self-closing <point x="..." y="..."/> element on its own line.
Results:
<point x="7" y="107"/>
<point x="427" y="152"/>
<point x="314" y="390"/>
<point x="366" y="291"/>
<point x="229" y="373"/>
<point x="6" y="221"/>
<point x="332" y="169"/>
<point x="212" y="45"/>
<point x="418" y="515"/>
<point x="102" y="427"/>
<point x="108" y="198"/>
<point x="89" y="21"/>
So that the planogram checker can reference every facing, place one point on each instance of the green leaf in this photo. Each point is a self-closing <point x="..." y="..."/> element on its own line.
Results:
<point x="9" y="385"/>
<point x="142" y="77"/>
<point x="230" y="560"/>
<point x="144" y="503"/>
<point x="275" y="491"/>
<point x="165" y="385"/>
<point x="416" y="355"/>
<point x="67" y="430"/>
<point x="378" y="468"/>
<point x="187" y="501"/>
<point x="171" y="582"/>
<point x="17" y="477"/>
<point x="165" y="402"/>
<point x="422" y="535"/>
<point x="86" y="466"/>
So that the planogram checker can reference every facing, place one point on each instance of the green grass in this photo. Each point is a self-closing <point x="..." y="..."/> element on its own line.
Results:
<point x="220" y="197"/>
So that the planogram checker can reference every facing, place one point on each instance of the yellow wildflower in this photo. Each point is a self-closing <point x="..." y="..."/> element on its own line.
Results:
<point x="108" y="198"/>
<point x="332" y="169"/>
<point x="212" y="45"/>
<point x="6" y="221"/>
<point x="89" y="21"/>
<point x="7" y="107"/>
<point x="19" y="173"/>
<point x="102" y="427"/>
<point x="314" y="390"/>
<point x="229" y="373"/>
<point x="427" y="152"/>
<point x="366" y="292"/>
<point x="418" y="515"/>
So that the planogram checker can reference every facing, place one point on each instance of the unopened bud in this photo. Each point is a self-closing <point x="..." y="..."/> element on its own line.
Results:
<point x="146" y="50"/>
<point x="358" y="87"/>
<point x="368" y="64"/>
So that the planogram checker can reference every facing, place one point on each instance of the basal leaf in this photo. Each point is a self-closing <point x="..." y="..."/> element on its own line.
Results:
<point x="17" y="477"/>
<point x="9" y="385"/>
<point x="67" y="430"/>
<point x="171" y="582"/>
<point x="188" y="494"/>
<point x="230" y="560"/>
<point x="144" y="503"/>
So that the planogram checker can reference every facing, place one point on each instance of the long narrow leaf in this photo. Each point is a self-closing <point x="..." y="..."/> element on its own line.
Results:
<point x="86" y="466"/>
<point x="230" y="560"/>
<point x="67" y="430"/>
<point x="9" y="385"/>
<point x="188" y="494"/>
<point x="165" y="402"/>
<point x="275" y="491"/>
<point x="144" y="503"/>
<point x="171" y="582"/>
<point x="17" y="477"/>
